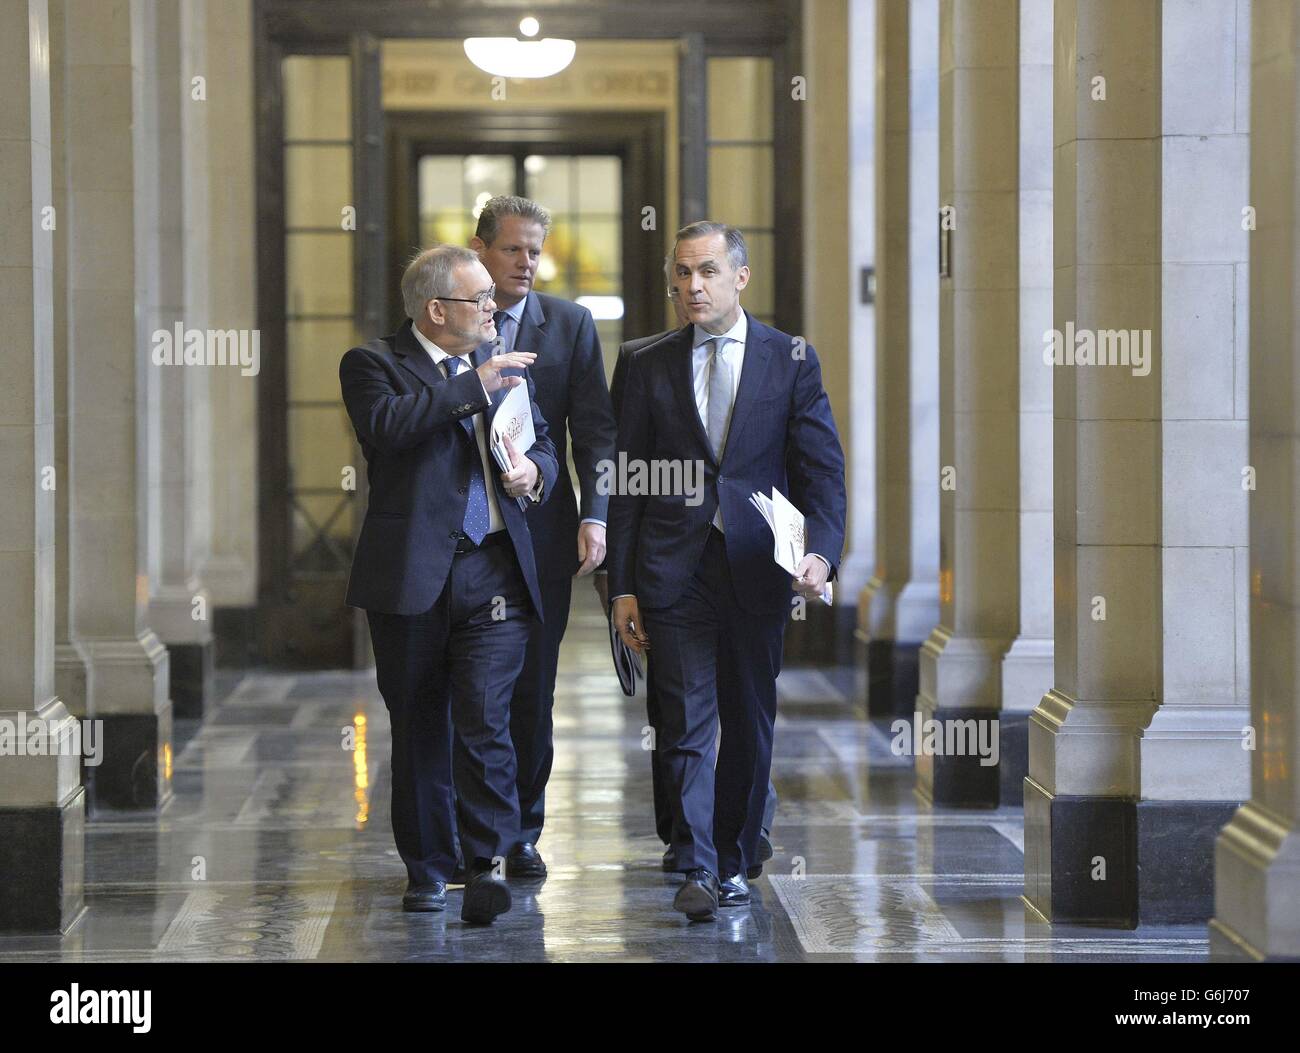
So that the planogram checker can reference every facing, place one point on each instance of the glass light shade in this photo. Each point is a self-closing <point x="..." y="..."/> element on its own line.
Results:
<point x="508" y="57"/>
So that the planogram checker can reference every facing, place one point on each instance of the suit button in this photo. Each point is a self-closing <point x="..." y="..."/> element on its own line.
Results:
<point x="462" y="490"/>
<point x="454" y="535"/>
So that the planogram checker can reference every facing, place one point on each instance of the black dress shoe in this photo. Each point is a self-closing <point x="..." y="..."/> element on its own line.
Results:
<point x="426" y="898"/>
<point x="698" y="897"/>
<point x="764" y="848"/>
<point x="486" y="896"/>
<point x="670" y="860"/>
<point x="524" y="861"/>
<point x="458" y="876"/>
<point x="756" y="871"/>
<point x="733" y="892"/>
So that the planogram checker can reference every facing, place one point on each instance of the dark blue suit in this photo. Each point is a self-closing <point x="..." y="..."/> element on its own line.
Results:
<point x="715" y="605"/>
<point x="448" y="626"/>
<point x="569" y="375"/>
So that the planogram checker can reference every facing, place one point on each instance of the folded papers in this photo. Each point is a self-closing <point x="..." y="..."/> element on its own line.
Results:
<point x="513" y="418"/>
<point x="788" y="531"/>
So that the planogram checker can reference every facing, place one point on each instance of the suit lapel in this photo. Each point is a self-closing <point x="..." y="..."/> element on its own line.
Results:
<point x="681" y="364"/>
<point x="532" y="328"/>
<point x="753" y="377"/>
<point x="415" y="358"/>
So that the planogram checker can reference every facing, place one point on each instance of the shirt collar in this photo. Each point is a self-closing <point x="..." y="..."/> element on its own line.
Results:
<point x="517" y="311"/>
<point x="437" y="353"/>
<point x="737" y="332"/>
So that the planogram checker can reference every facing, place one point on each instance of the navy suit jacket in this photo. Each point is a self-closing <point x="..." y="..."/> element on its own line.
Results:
<point x="407" y="418"/>
<point x="782" y="435"/>
<point x="569" y="374"/>
<point x="625" y="352"/>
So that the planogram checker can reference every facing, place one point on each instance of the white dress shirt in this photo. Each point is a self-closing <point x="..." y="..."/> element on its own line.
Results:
<point x="702" y="346"/>
<point x="495" y="522"/>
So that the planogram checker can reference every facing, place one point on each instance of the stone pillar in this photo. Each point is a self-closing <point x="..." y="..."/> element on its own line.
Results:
<point x="857" y="431"/>
<point x="180" y="607"/>
<point x="818" y="634"/>
<point x="42" y="804"/>
<point x="979" y="367"/>
<point x="1027" y="666"/>
<point x="71" y="667"/>
<point x="1136" y="753"/>
<point x="864" y="182"/>
<point x="1256" y="876"/>
<point x="900" y="603"/>
<point x="231" y="568"/>
<point x="106" y="128"/>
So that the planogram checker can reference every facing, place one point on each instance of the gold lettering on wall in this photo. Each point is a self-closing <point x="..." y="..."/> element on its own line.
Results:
<point x="435" y="74"/>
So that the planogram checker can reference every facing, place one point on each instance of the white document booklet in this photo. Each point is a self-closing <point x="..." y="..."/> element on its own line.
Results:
<point x="788" y="529"/>
<point x="514" y="418"/>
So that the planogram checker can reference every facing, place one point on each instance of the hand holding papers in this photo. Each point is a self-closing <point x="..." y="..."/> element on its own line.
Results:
<point x="513" y="420"/>
<point x="787" y="526"/>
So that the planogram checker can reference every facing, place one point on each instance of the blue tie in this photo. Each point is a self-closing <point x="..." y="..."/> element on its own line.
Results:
<point x="499" y="317"/>
<point x="477" y="517"/>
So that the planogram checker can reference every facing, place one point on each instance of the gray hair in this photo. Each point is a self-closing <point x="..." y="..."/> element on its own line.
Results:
<point x="431" y="274"/>
<point x="489" y="219"/>
<point x="736" y="251"/>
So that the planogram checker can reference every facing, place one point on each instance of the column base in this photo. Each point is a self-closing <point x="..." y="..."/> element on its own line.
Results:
<point x="904" y="677"/>
<point x="1256" y="887"/>
<point x="1175" y="846"/>
<point x="1013" y="757"/>
<point x="234" y="630"/>
<point x="42" y="865"/>
<point x="193" y="668"/>
<point x="135" y="773"/>
<point x="811" y="640"/>
<point x="72" y="677"/>
<point x="956" y="780"/>
<point x="876" y="658"/>
<point x="1081" y="858"/>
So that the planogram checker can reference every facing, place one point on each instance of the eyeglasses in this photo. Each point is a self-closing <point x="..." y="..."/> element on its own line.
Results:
<point x="482" y="299"/>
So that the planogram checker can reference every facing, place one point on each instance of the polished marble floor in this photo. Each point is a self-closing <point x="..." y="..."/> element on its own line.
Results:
<point x="277" y="846"/>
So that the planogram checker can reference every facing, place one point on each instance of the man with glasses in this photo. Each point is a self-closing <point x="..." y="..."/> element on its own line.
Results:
<point x="444" y="569"/>
<point x="569" y="374"/>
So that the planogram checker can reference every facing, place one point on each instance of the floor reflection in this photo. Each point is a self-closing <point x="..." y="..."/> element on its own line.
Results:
<point x="277" y="846"/>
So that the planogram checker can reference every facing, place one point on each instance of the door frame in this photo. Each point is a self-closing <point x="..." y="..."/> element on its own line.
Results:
<point x="636" y="138"/>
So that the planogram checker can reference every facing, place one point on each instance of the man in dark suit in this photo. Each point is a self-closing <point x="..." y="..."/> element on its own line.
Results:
<point x="658" y="780"/>
<point x="444" y="569"/>
<point x="569" y="374"/>
<point x="696" y="583"/>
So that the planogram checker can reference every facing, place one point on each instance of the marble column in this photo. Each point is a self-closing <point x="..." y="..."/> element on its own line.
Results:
<point x="900" y="603"/>
<point x="1256" y="874"/>
<point x="71" y="667"/>
<point x="180" y="608"/>
<point x="1136" y="755"/>
<point x="818" y="634"/>
<point x="42" y="803"/>
<point x="106" y="126"/>
<point x="979" y="367"/>
<point x="230" y="571"/>
<point x="1027" y="665"/>
<point x="858" y="432"/>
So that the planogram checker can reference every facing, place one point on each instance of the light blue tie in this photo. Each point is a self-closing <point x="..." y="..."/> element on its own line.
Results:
<point x="477" y="517"/>
<point x="719" y="412"/>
